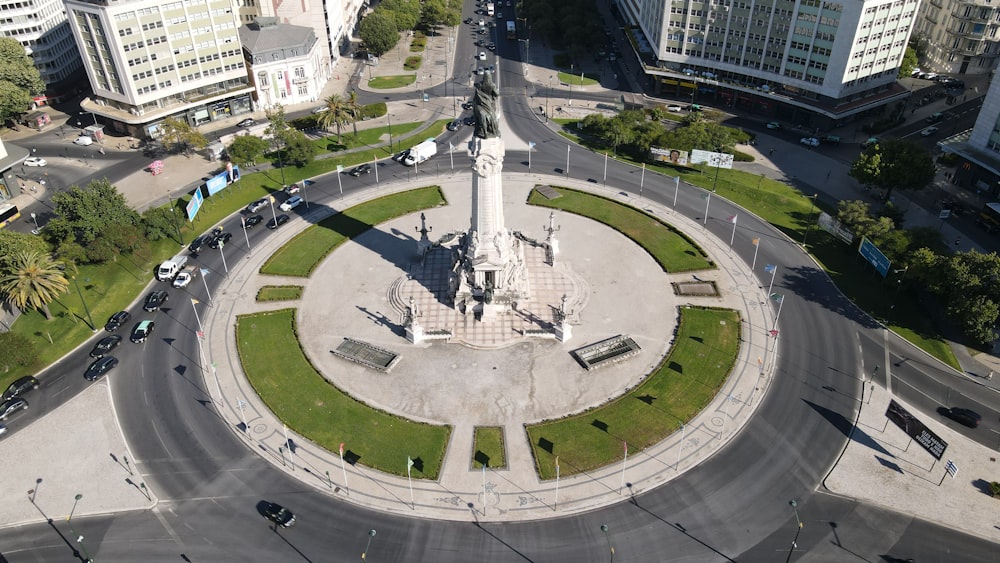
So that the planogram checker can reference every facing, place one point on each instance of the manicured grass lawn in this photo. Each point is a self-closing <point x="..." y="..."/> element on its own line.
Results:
<point x="413" y="63"/>
<point x="488" y="447"/>
<point x="671" y="249"/>
<point x="279" y="292"/>
<point x="390" y="82"/>
<point x="364" y="138"/>
<point x="687" y="380"/>
<point x="589" y="79"/>
<point x="299" y="256"/>
<point x="299" y="396"/>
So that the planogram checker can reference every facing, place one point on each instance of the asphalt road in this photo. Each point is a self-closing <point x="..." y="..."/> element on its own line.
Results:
<point x="734" y="507"/>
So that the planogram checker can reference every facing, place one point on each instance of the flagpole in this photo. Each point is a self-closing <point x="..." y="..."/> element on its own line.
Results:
<point x="756" y="247"/>
<point x="375" y="166"/>
<point x="204" y="272"/>
<point x="642" y="179"/>
<point x="708" y="200"/>
<point x="451" y="155"/>
<point x="243" y="222"/>
<point x="773" y="272"/>
<point x="733" y="237"/>
<point x="409" y="479"/>
<point x="556" y="506"/>
<point x="344" y="468"/>
<point x="223" y="254"/>
<point x="778" y="314"/>
<point x="677" y="188"/>
<point x="288" y="446"/>
<point x="680" y="446"/>
<point x="484" y="489"/>
<point x="196" y="316"/>
<point x="625" y="459"/>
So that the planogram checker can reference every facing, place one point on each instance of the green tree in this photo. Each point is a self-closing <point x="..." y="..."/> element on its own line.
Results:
<point x="299" y="149"/>
<point x="36" y="281"/>
<point x="908" y="63"/>
<point x="19" y="79"/>
<point x="159" y="223"/>
<point x="337" y="111"/>
<point x="84" y="215"/>
<point x="971" y="288"/>
<point x="16" y="350"/>
<point x="378" y="32"/>
<point x="856" y="216"/>
<point x="437" y="13"/>
<point x="404" y="13"/>
<point x="178" y="135"/>
<point x="247" y="149"/>
<point x="894" y="164"/>
<point x="356" y="109"/>
<point x="12" y="243"/>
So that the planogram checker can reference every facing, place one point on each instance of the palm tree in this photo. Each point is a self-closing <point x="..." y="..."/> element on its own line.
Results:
<point x="36" y="280"/>
<point x="337" y="113"/>
<point x="356" y="109"/>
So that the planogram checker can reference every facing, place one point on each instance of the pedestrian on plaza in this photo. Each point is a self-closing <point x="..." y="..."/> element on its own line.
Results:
<point x="770" y="152"/>
<point x="958" y="241"/>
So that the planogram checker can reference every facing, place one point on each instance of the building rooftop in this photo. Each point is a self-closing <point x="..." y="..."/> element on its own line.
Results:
<point x="266" y="39"/>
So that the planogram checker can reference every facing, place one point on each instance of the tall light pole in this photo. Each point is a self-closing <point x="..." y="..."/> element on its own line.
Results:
<point x="90" y="321"/>
<point x="611" y="548"/>
<point x="388" y="118"/>
<point x="547" y="99"/>
<point x="812" y="207"/>
<point x="371" y="534"/>
<point x="177" y="227"/>
<point x="76" y="500"/>
<point x="798" y="529"/>
<point x="79" y="538"/>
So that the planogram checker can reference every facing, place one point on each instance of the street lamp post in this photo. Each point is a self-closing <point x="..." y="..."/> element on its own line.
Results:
<point x="604" y="528"/>
<point x="177" y="227"/>
<point x="34" y="218"/>
<point x="388" y="118"/>
<point x="76" y="500"/>
<point x="371" y="534"/>
<point x="547" y="99"/>
<point x="812" y="208"/>
<point x="90" y="321"/>
<point x="798" y="529"/>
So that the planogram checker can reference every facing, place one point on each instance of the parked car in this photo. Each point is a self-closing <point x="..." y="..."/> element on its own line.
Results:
<point x="35" y="161"/>
<point x="279" y="514"/>
<point x="809" y="141"/>
<point x="105" y="346"/>
<point x="220" y="239"/>
<point x="20" y="387"/>
<point x="320" y="109"/>
<point x="117" y="320"/>
<point x="362" y="169"/>
<point x="929" y="131"/>
<point x="482" y="55"/>
<point x="965" y="417"/>
<point x="276" y="222"/>
<point x="291" y="189"/>
<point x="774" y="125"/>
<point x="830" y="139"/>
<point x="84" y="141"/>
<point x="100" y="367"/>
<point x="248" y="122"/>
<point x="252" y="221"/>
<point x="256" y="206"/>
<point x="155" y="300"/>
<point x="141" y="331"/>
<point x="291" y="203"/>
<point x="675" y="108"/>
<point x="11" y="406"/>
<point x="197" y="243"/>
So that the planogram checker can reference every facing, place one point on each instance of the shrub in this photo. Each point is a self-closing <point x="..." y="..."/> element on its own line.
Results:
<point x="371" y="111"/>
<point x="413" y="63"/>
<point x="995" y="489"/>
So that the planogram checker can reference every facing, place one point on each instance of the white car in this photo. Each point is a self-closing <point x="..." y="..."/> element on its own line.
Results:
<point x="809" y="141"/>
<point x="182" y="279"/>
<point x="320" y="109"/>
<point x="84" y="141"/>
<point x="291" y="203"/>
<point x="481" y="22"/>
<point x="35" y="161"/>
<point x="482" y="55"/>
<point x="675" y="108"/>
<point x="928" y="132"/>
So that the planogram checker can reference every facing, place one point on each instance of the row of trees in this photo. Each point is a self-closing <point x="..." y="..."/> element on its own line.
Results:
<point x="19" y="80"/>
<point x="380" y="30"/>
<point x="633" y="132"/>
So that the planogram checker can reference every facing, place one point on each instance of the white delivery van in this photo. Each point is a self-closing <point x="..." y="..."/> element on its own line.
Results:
<point x="169" y="268"/>
<point x="420" y="153"/>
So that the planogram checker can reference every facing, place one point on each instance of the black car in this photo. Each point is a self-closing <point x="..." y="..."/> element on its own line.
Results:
<point x="278" y="514"/>
<point x="196" y="244"/>
<point x="362" y="169"/>
<point x="252" y="221"/>
<point x="141" y="331"/>
<point x="248" y="122"/>
<point x="10" y="406"/>
<point x="470" y="121"/>
<point x="117" y="320"/>
<point x="100" y="367"/>
<point x="105" y="345"/>
<point x="278" y="221"/>
<point x="965" y="417"/>
<point x="467" y="105"/>
<point x="455" y="125"/>
<point x="220" y="239"/>
<point x="20" y="387"/>
<point x="155" y="300"/>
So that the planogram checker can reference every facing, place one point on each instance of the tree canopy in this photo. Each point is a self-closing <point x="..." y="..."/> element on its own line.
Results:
<point x="35" y="281"/>
<point x="94" y="224"/>
<point x="179" y="135"/>
<point x="247" y="149"/>
<point x="19" y="79"/>
<point x="378" y="31"/>
<point x="12" y="243"/>
<point x="894" y="164"/>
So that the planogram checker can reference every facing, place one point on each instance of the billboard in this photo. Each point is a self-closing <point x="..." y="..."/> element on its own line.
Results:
<point x="194" y="205"/>
<point x="875" y="256"/>
<point x="217" y="183"/>
<point x="671" y="156"/>
<point x="713" y="159"/>
<point x="916" y="430"/>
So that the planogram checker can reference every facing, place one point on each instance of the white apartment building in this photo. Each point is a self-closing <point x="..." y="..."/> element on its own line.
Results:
<point x="959" y="37"/>
<point x="152" y="59"/>
<point x="287" y="63"/>
<point x="812" y="62"/>
<point x="40" y="25"/>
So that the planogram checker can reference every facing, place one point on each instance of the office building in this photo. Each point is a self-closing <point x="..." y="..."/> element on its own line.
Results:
<point x="978" y="150"/>
<point x="958" y="37"/>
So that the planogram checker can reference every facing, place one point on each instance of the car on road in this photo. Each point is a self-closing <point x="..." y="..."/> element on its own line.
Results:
<point x="455" y="125"/>
<point x="105" y="345"/>
<point x="197" y="243"/>
<point x="20" y="387"/>
<point x="117" y="320"/>
<point x="492" y="46"/>
<point x="220" y="239"/>
<point x="482" y="31"/>
<point x="774" y="125"/>
<point x="468" y="21"/>
<point x="320" y="109"/>
<point x="252" y="221"/>
<point x="482" y="22"/>
<point x="480" y="71"/>
<point x="155" y="300"/>
<point x="482" y="55"/>
<point x="291" y="203"/>
<point x="929" y="131"/>
<point x="35" y="161"/>
<point x="11" y="406"/>
<point x="361" y="169"/>
<point x="401" y="155"/>
<point x="675" y="108"/>
<point x="278" y="514"/>
<point x="278" y="221"/>
<point x="467" y="105"/>
<point x="470" y="121"/>
<point x="100" y="367"/>
<point x="830" y="139"/>
<point x="141" y="331"/>
<point x="871" y="141"/>
<point x="934" y="117"/>
<point x="291" y="189"/>
<point x="809" y="141"/>
<point x="256" y="206"/>
<point x="965" y="417"/>
<point x="248" y="122"/>
<point x="83" y="141"/>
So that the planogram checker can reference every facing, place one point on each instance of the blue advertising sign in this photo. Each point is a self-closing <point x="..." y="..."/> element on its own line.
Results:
<point x="217" y="183"/>
<point x="875" y="257"/>
<point x="194" y="205"/>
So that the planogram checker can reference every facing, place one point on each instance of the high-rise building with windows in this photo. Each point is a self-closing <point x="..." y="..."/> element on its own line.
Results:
<point x="152" y="59"/>
<point x="978" y="150"/>
<point x="959" y="37"/>
<point x="812" y="62"/>
<point x="40" y="26"/>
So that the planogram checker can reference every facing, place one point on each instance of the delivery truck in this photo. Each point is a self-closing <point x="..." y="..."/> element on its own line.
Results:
<point x="169" y="268"/>
<point x="420" y="153"/>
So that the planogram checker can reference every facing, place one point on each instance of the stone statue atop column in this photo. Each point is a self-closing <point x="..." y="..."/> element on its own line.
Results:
<point x="484" y="108"/>
<point x="424" y="244"/>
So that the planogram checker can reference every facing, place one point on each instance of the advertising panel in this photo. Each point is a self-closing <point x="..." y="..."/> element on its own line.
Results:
<point x="673" y="156"/>
<point x="194" y="205"/>
<point x="875" y="257"/>
<point x="713" y="159"/>
<point x="916" y="430"/>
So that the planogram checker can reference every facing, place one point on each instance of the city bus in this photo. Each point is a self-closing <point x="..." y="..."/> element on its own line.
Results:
<point x="8" y="214"/>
